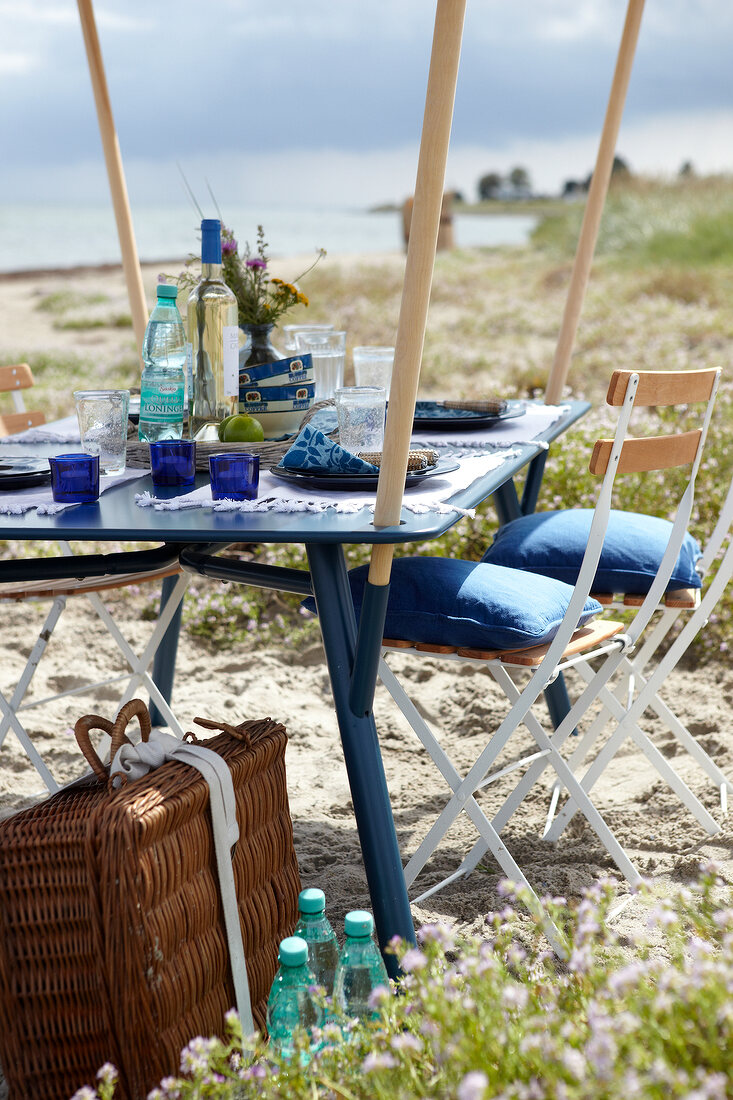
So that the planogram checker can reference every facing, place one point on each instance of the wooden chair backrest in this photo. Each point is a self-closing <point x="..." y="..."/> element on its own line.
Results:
<point x="655" y="388"/>
<point x="13" y="379"/>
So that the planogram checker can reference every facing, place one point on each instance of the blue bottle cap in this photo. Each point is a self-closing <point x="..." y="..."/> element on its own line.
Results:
<point x="359" y="923"/>
<point x="311" y="901"/>
<point x="166" y="290"/>
<point x="293" y="951"/>
<point x="211" y="241"/>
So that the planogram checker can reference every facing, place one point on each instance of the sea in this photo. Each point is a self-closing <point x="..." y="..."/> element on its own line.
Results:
<point x="47" y="236"/>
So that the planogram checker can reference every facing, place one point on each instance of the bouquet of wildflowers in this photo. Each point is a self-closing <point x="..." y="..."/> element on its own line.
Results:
<point x="262" y="299"/>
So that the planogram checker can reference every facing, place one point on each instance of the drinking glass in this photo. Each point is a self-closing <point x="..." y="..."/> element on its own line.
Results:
<point x="234" y="476"/>
<point x="74" y="478"/>
<point x="289" y="332"/>
<point x="360" y="411"/>
<point x="102" y="416"/>
<point x="373" y="366"/>
<point x="328" y="352"/>
<point x="173" y="461"/>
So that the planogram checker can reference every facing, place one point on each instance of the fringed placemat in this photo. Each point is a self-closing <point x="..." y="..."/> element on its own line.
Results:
<point x="270" y="452"/>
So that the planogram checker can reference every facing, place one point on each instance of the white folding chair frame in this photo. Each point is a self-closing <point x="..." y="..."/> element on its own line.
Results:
<point x="613" y="657"/>
<point x="137" y="674"/>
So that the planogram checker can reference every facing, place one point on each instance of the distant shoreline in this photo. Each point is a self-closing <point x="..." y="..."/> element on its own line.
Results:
<point x="82" y="269"/>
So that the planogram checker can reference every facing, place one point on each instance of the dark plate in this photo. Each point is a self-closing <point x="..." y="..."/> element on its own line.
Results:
<point x="433" y="414"/>
<point x="17" y="472"/>
<point x="309" y="479"/>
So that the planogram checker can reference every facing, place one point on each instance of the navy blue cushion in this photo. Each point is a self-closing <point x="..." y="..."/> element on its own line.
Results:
<point x="444" y="601"/>
<point x="553" y="543"/>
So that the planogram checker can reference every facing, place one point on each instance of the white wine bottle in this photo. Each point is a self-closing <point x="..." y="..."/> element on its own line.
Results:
<point x="213" y="342"/>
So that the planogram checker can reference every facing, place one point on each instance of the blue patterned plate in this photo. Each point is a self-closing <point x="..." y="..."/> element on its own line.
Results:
<point x="312" y="479"/>
<point x="433" y="414"/>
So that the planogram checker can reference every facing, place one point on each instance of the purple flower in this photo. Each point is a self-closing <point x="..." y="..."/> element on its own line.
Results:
<point x="255" y="262"/>
<point x="228" y="246"/>
<point x="473" y="1086"/>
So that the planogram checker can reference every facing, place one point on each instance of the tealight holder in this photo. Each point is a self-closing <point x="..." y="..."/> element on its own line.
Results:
<point x="74" y="478"/>
<point x="234" y="476"/>
<point x="173" y="462"/>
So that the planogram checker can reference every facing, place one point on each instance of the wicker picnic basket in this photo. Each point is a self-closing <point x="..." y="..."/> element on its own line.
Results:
<point x="112" y="940"/>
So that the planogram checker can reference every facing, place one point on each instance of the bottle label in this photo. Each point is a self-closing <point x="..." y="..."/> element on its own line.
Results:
<point x="162" y="402"/>
<point x="189" y="373"/>
<point x="230" y="334"/>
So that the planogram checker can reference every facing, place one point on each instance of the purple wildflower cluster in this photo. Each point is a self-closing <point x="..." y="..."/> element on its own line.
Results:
<point x="496" y="1018"/>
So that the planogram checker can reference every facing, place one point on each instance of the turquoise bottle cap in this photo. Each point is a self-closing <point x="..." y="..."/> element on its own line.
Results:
<point x="359" y="923"/>
<point x="166" y="290"/>
<point x="311" y="901"/>
<point x="293" y="951"/>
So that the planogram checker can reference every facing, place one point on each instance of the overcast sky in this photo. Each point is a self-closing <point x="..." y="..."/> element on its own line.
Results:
<point x="321" y="102"/>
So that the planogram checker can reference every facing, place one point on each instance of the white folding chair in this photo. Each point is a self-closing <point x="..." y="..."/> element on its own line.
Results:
<point x="531" y="543"/>
<point x="643" y="672"/>
<point x="605" y="643"/>
<point x="58" y="579"/>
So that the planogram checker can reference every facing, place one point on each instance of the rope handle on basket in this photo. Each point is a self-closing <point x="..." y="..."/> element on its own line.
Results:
<point x="135" y="708"/>
<point x="248" y="732"/>
<point x="224" y="727"/>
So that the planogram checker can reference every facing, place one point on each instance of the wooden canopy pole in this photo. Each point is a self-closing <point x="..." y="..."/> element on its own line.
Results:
<point x="429" y="187"/>
<point x="594" y="206"/>
<point x="419" y="265"/>
<point x="113" y="159"/>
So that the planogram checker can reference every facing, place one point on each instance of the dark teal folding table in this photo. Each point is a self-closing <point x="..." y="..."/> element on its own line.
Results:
<point x="116" y="517"/>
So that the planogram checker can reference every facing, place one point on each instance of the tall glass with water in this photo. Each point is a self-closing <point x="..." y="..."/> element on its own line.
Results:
<point x="328" y="352"/>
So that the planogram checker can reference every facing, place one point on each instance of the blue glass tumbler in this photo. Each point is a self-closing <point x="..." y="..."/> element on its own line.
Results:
<point x="234" y="476"/>
<point x="173" y="462"/>
<point x="74" y="478"/>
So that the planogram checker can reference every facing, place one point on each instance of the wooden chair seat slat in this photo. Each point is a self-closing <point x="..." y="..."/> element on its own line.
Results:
<point x="584" y="639"/>
<point x="72" y="586"/>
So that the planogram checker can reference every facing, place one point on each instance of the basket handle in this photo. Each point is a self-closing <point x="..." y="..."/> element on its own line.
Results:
<point x="239" y="732"/>
<point x="135" y="708"/>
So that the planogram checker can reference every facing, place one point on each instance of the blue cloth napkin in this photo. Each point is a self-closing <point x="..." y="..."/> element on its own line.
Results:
<point x="313" y="450"/>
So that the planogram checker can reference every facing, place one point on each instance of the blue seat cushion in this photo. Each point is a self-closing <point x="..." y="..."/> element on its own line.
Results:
<point x="445" y="601"/>
<point x="553" y="544"/>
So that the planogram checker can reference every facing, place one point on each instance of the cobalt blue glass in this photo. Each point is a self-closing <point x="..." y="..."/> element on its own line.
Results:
<point x="234" y="476"/>
<point x="173" y="462"/>
<point x="74" y="478"/>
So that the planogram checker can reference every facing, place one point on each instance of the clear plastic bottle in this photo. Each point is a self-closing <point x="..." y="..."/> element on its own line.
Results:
<point x="162" y="385"/>
<point x="291" y="1004"/>
<point x="212" y="362"/>
<point x="360" y="967"/>
<point x="314" y="927"/>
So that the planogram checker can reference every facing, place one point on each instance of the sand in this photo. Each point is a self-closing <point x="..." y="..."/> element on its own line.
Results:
<point x="659" y="835"/>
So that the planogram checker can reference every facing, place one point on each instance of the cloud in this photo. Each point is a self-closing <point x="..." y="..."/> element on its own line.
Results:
<point x="13" y="63"/>
<point x="339" y="88"/>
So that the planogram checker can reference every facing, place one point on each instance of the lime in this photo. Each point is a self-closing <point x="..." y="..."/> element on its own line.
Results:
<point x="222" y="424"/>
<point x="242" y="429"/>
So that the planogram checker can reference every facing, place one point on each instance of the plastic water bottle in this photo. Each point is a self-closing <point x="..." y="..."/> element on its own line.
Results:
<point x="360" y="967"/>
<point x="291" y="1003"/>
<point x="314" y="927"/>
<point x="163" y="379"/>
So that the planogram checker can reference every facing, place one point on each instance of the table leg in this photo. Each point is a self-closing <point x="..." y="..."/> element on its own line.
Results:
<point x="372" y="807"/>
